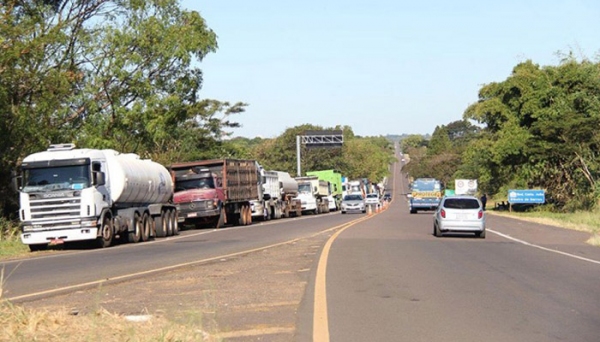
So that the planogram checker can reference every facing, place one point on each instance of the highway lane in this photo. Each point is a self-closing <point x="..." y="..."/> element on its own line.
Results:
<point x="52" y="273"/>
<point x="390" y="279"/>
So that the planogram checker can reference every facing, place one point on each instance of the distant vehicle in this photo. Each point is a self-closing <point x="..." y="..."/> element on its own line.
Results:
<point x="425" y="194"/>
<point x="387" y="197"/>
<point x="353" y="203"/>
<point x="372" y="198"/>
<point x="459" y="214"/>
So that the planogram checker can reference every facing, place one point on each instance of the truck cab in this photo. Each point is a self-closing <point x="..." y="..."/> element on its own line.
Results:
<point x="198" y="194"/>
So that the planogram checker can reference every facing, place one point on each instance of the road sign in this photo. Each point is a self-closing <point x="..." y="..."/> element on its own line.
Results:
<point x="465" y="186"/>
<point x="526" y="196"/>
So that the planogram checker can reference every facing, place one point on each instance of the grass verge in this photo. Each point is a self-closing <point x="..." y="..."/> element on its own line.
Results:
<point x="20" y="324"/>
<point x="585" y="221"/>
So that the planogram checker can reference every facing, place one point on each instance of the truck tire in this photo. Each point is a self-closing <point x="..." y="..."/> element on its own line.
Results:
<point x="160" y="226"/>
<point x="248" y="215"/>
<point x="146" y="225"/>
<point x="221" y="220"/>
<point x="174" y="224"/>
<point x="134" y="237"/>
<point x="106" y="233"/>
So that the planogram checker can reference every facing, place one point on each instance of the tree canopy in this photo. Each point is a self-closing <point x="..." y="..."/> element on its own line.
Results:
<point x="106" y="74"/>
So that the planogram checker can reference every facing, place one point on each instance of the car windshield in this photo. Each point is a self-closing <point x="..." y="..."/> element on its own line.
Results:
<point x="372" y="196"/>
<point x="461" y="203"/>
<point x="353" y="198"/>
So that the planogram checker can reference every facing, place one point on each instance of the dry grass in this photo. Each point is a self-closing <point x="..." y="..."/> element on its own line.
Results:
<point x="20" y="324"/>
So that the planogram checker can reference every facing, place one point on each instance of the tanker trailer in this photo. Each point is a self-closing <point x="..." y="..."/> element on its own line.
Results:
<point x="288" y="187"/>
<point x="68" y="194"/>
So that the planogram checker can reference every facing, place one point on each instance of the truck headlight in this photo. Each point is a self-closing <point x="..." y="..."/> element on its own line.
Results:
<point x="27" y="228"/>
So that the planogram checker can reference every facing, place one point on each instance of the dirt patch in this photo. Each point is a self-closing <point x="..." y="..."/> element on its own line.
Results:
<point x="251" y="297"/>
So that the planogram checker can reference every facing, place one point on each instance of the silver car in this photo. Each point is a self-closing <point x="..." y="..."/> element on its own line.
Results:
<point x="459" y="214"/>
<point x="353" y="203"/>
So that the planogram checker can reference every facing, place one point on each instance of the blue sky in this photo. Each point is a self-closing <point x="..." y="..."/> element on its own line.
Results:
<point x="380" y="67"/>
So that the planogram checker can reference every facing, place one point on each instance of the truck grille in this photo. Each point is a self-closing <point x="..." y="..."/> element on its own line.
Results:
<point x="55" y="212"/>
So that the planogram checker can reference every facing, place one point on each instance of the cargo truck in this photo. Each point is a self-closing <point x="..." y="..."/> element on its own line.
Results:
<point x="335" y="186"/>
<point x="68" y="194"/>
<point x="313" y="193"/>
<point x="215" y="192"/>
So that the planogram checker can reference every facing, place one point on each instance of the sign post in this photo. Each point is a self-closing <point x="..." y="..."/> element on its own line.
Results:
<point x="525" y="197"/>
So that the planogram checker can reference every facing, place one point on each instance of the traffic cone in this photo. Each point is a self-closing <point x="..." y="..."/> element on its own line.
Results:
<point x="369" y="212"/>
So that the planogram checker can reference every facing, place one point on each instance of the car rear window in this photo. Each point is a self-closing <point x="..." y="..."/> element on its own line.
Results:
<point x="461" y="203"/>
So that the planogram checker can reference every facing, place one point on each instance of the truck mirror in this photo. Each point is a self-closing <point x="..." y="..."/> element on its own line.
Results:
<point x="315" y="189"/>
<point x="17" y="182"/>
<point x="98" y="178"/>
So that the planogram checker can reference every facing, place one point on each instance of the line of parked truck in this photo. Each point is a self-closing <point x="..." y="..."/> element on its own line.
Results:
<point x="68" y="194"/>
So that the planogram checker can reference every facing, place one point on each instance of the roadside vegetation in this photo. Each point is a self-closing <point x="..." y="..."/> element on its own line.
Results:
<point x="24" y="325"/>
<point x="538" y="129"/>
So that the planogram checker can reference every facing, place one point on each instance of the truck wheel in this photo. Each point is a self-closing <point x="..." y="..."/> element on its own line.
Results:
<point x="248" y="215"/>
<point x="145" y="233"/>
<point x="174" y="224"/>
<point x="106" y="233"/>
<point x="160" y="226"/>
<point x="137" y="229"/>
<point x="221" y="220"/>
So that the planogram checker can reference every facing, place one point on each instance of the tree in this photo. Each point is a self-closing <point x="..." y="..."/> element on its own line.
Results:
<point x="542" y="122"/>
<point x="106" y="74"/>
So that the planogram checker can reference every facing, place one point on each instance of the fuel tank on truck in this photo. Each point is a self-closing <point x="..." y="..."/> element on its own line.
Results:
<point x="137" y="181"/>
<point x="288" y="184"/>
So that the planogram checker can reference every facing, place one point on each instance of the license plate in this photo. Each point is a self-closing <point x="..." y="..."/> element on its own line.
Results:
<point x="192" y="214"/>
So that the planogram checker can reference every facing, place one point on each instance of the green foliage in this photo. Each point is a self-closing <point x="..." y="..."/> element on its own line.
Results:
<point x="359" y="157"/>
<point x="541" y="124"/>
<point x="106" y="74"/>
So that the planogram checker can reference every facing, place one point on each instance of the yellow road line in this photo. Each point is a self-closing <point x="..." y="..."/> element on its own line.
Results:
<point x="320" y="314"/>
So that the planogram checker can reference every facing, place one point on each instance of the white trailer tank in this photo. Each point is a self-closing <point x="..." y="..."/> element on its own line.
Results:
<point x="288" y="185"/>
<point x="132" y="180"/>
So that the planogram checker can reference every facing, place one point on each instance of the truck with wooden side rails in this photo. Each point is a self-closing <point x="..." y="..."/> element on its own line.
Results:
<point x="313" y="194"/>
<point x="215" y="192"/>
<point x="68" y="194"/>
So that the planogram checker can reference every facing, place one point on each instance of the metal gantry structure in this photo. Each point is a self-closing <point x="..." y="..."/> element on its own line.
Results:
<point x="317" y="139"/>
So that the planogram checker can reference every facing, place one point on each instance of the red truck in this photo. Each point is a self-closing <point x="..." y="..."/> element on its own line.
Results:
<point x="215" y="192"/>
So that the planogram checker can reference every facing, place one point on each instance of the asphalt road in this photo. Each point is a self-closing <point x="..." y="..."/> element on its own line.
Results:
<point x="71" y="269"/>
<point x="390" y="279"/>
<point x="385" y="279"/>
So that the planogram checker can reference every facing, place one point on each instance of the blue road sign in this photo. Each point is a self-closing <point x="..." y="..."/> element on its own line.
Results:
<point x="526" y="196"/>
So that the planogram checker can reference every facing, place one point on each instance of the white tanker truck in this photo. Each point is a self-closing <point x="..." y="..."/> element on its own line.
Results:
<point x="68" y="194"/>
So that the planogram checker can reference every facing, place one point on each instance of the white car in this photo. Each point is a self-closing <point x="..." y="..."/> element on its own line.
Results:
<point x="372" y="198"/>
<point x="459" y="214"/>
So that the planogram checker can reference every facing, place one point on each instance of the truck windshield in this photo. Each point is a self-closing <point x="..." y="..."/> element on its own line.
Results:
<point x="74" y="177"/>
<point x="197" y="183"/>
<point x="426" y="185"/>
<point x="305" y="188"/>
